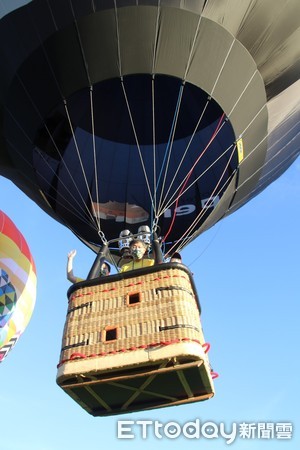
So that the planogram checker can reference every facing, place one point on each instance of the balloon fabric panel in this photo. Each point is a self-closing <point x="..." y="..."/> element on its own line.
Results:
<point x="17" y="284"/>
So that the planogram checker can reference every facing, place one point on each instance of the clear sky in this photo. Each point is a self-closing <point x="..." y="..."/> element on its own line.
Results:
<point x="246" y="270"/>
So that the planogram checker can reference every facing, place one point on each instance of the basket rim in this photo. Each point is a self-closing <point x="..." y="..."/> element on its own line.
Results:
<point x="132" y="274"/>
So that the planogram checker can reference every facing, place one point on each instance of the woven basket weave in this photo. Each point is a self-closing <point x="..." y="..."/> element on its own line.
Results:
<point x="138" y="312"/>
<point x="134" y="341"/>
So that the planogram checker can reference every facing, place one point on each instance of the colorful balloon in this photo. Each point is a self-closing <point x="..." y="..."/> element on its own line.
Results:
<point x="17" y="284"/>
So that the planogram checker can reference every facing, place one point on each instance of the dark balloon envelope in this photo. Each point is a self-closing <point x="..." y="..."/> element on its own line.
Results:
<point x="162" y="113"/>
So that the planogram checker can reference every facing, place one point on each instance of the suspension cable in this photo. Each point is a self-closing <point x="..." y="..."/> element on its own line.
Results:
<point x="233" y="108"/>
<point x="210" y="199"/>
<point x="137" y="141"/>
<point x="154" y="210"/>
<point x="118" y="39"/>
<point x="80" y="160"/>
<point x="39" y="114"/>
<point x="190" y="173"/>
<point x="96" y="214"/>
<point x="49" y="196"/>
<point x="208" y="204"/>
<point x="95" y="160"/>
<point x="184" y="154"/>
<point x="80" y="44"/>
<point x="53" y="142"/>
<point x="240" y="203"/>
<point x="207" y="169"/>
<point x="161" y="210"/>
<point x="185" y="181"/>
<point x="265" y="163"/>
<point x="128" y="106"/>
<point x="169" y="146"/>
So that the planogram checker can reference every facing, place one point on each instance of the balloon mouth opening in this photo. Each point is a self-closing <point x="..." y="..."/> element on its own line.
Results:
<point x="140" y="109"/>
<point x="118" y="151"/>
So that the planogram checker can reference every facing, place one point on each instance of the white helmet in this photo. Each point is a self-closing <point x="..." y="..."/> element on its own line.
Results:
<point x="124" y="243"/>
<point x="144" y="234"/>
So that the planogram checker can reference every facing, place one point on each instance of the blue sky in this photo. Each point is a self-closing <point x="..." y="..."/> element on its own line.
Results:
<point x="246" y="270"/>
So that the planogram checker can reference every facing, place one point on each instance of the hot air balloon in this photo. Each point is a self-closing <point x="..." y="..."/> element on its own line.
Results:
<point x="17" y="285"/>
<point x="122" y="114"/>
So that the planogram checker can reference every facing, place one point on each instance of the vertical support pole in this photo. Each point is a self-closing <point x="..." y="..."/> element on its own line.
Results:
<point x="157" y="249"/>
<point x="96" y="267"/>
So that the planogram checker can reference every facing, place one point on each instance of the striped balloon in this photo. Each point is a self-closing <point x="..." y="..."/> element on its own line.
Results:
<point x="17" y="284"/>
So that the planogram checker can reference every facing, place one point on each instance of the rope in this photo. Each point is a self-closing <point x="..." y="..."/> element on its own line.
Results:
<point x="169" y="145"/>
<point x="137" y="141"/>
<point x="206" y="247"/>
<point x="118" y="38"/>
<point x="156" y="35"/>
<point x="207" y="205"/>
<point x="153" y="210"/>
<point x="128" y="105"/>
<point x="192" y="48"/>
<point x="188" y="176"/>
<point x="45" y="126"/>
<point x="71" y="205"/>
<point x="208" y="168"/>
<point x="80" y="44"/>
<point x="52" y="15"/>
<point x="81" y="163"/>
<point x="190" y="173"/>
<point x="214" y="86"/>
<point x="184" y="154"/>
<point x="156" y="211"/>
<point x="176" y="114"/>
<point x="45" y="160"/>
<point x="240" y="96"/>
<point x="79" y="355"/>
<point x="97" y="214"/>
<point x="222" y="67"/>
<point x="277" y="167"/>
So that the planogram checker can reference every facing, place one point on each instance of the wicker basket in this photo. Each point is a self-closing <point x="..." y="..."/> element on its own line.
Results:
<point x="134" y="329"/>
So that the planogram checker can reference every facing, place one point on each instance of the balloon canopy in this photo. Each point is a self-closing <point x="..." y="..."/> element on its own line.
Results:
<point x="17" y="285"/>
<point x="171" y="114"/>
